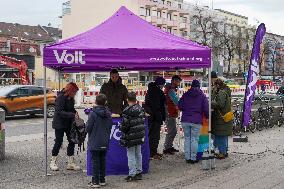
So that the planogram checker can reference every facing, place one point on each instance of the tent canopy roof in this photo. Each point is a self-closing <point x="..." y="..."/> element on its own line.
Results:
<point x="125" y="41"/>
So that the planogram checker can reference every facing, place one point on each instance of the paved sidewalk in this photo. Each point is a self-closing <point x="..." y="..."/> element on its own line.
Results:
<point x="256" y="164"/>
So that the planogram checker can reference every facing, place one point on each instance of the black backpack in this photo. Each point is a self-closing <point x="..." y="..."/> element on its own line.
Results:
<point x="78" y="133"/>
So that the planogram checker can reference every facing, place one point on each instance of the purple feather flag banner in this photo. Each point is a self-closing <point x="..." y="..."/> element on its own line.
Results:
<point x="252" y="74"/>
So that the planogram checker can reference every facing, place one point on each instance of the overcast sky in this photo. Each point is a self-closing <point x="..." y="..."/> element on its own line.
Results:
<point x="34" y="12"/>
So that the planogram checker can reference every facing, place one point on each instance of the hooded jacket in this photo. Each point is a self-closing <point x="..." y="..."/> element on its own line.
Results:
<point x="193" y="105"/>
<point x="221" y="104"/>
<point x="132" y="127"/>
<point x="155" y="103"/>
<point x="64" y="114"/>
<point x="98" y="128"/>
<point x="116" y="94"/>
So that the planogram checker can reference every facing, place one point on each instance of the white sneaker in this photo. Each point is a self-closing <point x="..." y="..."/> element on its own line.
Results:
<point x="71" y="164"/>
<point x="93" y="185"/>
<point x="53" y="164"/>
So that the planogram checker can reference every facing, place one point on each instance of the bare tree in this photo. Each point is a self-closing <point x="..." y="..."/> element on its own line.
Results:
<point x="271" y="56"/>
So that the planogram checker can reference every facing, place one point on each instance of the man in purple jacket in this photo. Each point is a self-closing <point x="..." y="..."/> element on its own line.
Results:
<point x="193" y="105"/>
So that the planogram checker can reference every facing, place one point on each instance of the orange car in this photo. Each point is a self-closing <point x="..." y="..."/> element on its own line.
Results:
<point x="26" y="99"/>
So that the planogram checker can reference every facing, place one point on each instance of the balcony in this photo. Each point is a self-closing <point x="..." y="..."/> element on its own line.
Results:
<point x="159" y="21"/>
<point x="148" y="3"/>
<point x="183" y="13"/>
<point x="183" y="26"/>
<point x="170" y="23"/>
<point x="151" y="19"/>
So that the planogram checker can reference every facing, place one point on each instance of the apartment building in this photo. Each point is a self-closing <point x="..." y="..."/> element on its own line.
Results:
<point x="169" y="15"/>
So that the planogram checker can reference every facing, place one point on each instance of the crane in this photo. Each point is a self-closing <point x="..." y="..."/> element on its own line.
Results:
<point x="18" y="64"/>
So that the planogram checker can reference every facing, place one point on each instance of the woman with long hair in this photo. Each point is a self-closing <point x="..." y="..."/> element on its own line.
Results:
<point x="221" y="104"/>
<point x="64" y="116"/>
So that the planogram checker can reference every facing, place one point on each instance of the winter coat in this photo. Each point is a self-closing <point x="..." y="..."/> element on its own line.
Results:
<point x="99" y="128"/>
<point x="193" y="105"/>
<point x="172" y="107"/>
<point x="155" y="103"/>
<point x="116" y="94"/>
<point x="64" y="114"/>
<point x="132" y="126"/>
<point x="280" y="91"/>
<point x="221" y="104"/>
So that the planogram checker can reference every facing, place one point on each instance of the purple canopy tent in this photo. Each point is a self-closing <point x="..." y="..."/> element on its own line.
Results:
<point x="127" y="42"/>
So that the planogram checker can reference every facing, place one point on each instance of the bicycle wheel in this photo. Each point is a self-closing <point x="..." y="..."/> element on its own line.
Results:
<point x="271" y="120"/>
<point x="260" y="124"/>
<point x="252" y="125"/>
<point x="237" y="129"/>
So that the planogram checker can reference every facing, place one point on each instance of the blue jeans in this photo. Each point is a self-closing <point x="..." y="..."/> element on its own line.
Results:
<point x="191" y="138"/>
<point x="221" y="142"/>
<point x="99" y="166"/>
<point x="134" y="160"/>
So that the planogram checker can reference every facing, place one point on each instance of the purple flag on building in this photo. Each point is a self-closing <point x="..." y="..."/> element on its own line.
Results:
<point x="252" y="74"/>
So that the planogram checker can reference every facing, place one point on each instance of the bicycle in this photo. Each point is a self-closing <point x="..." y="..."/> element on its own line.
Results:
<point x="280" y="119"/>
<point x="237" y="122"/>
<point x="265" y="114"/>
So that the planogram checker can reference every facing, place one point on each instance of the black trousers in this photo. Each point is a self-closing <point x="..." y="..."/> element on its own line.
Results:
<point x="154" y="136"/>
<point x="99" y="166"/>
<point x="59" y="134"/>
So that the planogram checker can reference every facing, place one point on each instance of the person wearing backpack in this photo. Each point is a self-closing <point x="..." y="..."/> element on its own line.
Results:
<point x="98" y="127"/>
<point x="64" y="116"/>
<point x="133" y="135"/>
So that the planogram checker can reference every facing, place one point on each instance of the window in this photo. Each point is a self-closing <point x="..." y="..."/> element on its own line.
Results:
<point x="142" y="11"/>
<point x="179" y="6"/>
<point x="169" y="16"/>
<point x="148" y="12"/>
<point x="21" y="91"/>
<point x="169" y="30"/>
<point x="159" y="14"/>
<point x="163" y="1"/>
<point x="37" y="91"/>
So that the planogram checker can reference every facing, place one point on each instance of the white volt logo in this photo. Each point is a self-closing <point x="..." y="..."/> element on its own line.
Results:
<point x="77" y="57"/>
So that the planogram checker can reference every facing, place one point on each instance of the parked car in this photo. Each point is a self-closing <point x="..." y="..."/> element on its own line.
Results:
<point x="26" y="100"/>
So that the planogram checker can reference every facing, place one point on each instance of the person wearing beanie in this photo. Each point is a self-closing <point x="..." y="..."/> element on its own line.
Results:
<point x="214" y="76"/>
<point x="155" y="106"/>
<point x="171" y="90"/>
<point x="193" y="105"/>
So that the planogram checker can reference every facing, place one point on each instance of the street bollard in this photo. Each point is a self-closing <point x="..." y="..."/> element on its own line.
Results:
<point x="2" y="135"/>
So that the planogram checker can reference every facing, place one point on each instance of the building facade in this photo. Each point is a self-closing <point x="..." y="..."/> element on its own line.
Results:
<point x="26" y="43"/>
<point x="228" y="34"/>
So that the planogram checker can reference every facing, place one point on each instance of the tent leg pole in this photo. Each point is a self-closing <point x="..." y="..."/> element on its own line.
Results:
<point x="210" y="112"/>
<point x="59" y="81"/>
<point x="45" y="123"/>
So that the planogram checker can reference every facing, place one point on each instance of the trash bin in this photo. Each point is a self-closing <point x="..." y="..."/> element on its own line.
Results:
<point x="2" y="135"/>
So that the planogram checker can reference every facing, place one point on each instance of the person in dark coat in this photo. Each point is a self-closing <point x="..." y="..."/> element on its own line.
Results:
<point x="155" y="106"/>
<point x="221" y="104"/>
<point x="64" y="116"/>
<point x="99" y="128"/>
<point x="115" y="92"/>
<point x="133" y="135"/>
<point x="280" y="91"/>
<point x="193" y="105"/>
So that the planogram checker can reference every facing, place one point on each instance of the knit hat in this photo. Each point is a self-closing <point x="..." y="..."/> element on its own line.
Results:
<point x="214" y="74"/>
<point x="195" y="83"/>
<point x="160" y="81"/>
